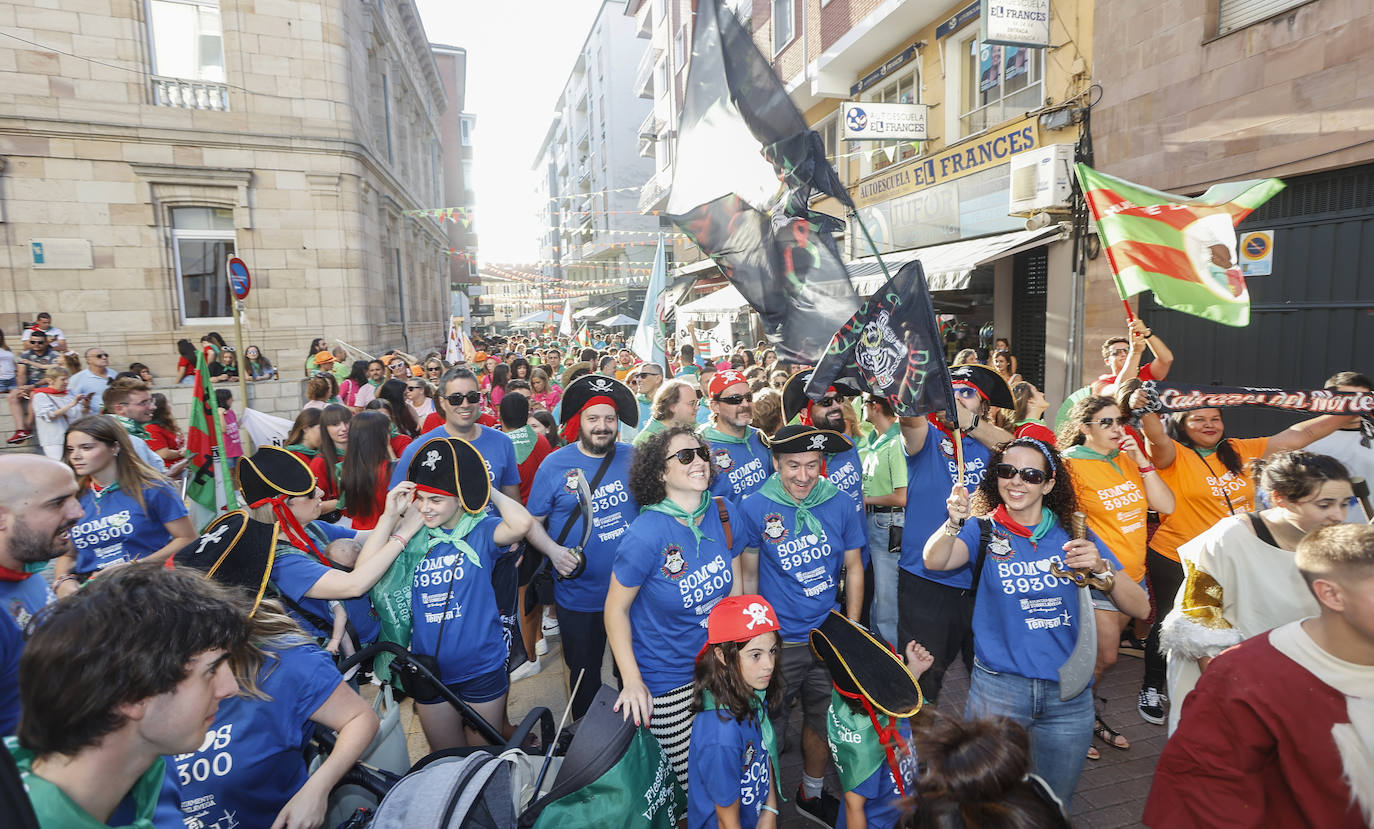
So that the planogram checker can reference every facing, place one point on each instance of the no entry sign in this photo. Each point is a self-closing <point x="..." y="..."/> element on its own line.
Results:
<point x="239" y="280"/>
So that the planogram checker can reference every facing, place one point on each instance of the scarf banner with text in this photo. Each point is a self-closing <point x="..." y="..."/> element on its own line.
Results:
<point x="1167" y="398"/>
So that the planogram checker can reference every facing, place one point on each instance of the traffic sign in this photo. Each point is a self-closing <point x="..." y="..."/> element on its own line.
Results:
<point x="239" y="280"/>
<point x="1257" y="253"/>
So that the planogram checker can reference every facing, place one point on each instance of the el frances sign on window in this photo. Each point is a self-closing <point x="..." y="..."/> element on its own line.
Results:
<point x="868" y="121"/>
<point x="1016" y="22"/>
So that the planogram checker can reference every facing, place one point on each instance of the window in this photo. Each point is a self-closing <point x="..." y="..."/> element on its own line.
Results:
<point x="784" y="26"/>
<point x="829" y="130"/>
<point x="186" y="40"/>
<point x="999" y="82"/>
<point x="680" y="48"/>
<point x="202" y="242"/>
<point x="1237" y="14"/>
<point x="395" y="298"/>
<point x="466" y="126"/>
<point x="386" y="113"/>
<point x="877" y="155"/>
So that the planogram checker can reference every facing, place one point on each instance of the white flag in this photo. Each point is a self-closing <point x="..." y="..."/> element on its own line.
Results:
<point x="565" y="328"/>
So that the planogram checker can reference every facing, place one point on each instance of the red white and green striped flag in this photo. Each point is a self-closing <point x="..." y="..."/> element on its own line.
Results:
<point x="584" y="337"/>
<point x="1181" y="249"/>
<point x="211" y="486"/>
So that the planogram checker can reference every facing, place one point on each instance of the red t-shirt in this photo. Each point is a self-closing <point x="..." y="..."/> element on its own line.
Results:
<point x="434" y="420"/>
<point x="365" y="517"/>
<point x="325" y="478"/>
<point x="1146" y="373"/>
<point x="531" y="464"/>
<point x="160" y="437"/>
<point x="399" y="444"/>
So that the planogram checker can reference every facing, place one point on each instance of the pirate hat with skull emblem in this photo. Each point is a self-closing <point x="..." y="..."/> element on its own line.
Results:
<point x="454" y="467"/>
<point x="991" y="386"/>
<point x="794" y="400"/>
<point x="591" y="389"/>
<point x="234" y="550"/>
<point x="267" y="478"/>
<point x="796" y="438"/>
<point x="863" y="667"/>
<point x="739" y="619"/>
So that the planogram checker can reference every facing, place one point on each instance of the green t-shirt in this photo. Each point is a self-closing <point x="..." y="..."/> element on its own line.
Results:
<point x="854" y="744"/>
<point x="54" y="808"/>
<point x="650" y="429"/>
<point x="884" y="462"/>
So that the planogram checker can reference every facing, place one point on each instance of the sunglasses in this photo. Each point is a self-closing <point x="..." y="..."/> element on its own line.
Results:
<point x="1030" y="475"/>
<point x="1109" y="422"/>
<point x="414" y="388"/>
<point x="103" y="356"/>
<point x="458" y="398"/>
<point x="434" y="368"/>
<point x="736" y="399"/>
<point x="1118" y="352"/>
<point x="395" y="366"/>
<point x="965" y="392"/>
<point x="826" y="402"/>
<point x="684" y="456"/>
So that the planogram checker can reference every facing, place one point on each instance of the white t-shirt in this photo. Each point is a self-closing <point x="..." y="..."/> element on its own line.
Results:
<point x="1345" y="447"/>
<point x="7" y="366"/>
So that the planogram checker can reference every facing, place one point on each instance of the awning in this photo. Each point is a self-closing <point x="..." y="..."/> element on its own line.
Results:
<point x="725" y="304"/>
<point x="587" y="313"/>
<point x="950" y="266"/>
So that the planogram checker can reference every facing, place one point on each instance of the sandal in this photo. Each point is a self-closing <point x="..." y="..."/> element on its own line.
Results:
<point x="1092" y="753"/>
<point x="1110" y="736"/>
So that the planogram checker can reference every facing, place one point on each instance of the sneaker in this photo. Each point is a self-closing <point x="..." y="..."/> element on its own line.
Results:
<point x="1151" y="705"/>
<point x="541" y="647"/>
<point x="824" y="809"/>
<point x="19" y="436"/>
<point x="550" y="625"/>
<point x="525" y="670"/>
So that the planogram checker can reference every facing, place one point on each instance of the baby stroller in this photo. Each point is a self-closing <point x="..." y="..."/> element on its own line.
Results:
<point x="612" y="775"/>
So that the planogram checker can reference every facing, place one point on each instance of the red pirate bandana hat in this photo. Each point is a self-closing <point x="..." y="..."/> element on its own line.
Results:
<point x="593" y="389"/>
<point x="795" y="402"/>
<point x="723" y="380"/>
<point x="739" y="619"/>
<point x="267" y="478"/>
<point x="453" y="467"/>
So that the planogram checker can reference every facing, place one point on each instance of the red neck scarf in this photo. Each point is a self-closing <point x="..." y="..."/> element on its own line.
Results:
<point x="1001" y="516"/>
<point x="889" y="735"/>
<point x="295" y="533"/>
<point x="6" y="574"/>
<point x="572" y="430"/>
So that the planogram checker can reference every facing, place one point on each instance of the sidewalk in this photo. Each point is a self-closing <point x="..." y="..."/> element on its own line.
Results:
<point x="1111" y="793"/>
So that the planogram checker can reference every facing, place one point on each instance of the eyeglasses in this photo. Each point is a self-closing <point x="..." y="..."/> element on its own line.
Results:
<point x="965" y="392"/>
<point x="1109" y="422"/>
<point x="684" y="456"/>
<point x="458" y="398"/>
<point x="1118" y="352"/>
<point x="1029" y="474"/>
<point x="102" y="356"/>
<point x="736" y="399"/>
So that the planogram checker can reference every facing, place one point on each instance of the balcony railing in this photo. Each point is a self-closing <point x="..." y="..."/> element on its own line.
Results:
<point x="179" y="92"/>
<point x="654" y="191"/>
<point x="644" y="75"/>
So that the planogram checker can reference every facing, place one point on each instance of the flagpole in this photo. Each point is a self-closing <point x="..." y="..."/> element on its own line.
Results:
<point x="854" y="217"/>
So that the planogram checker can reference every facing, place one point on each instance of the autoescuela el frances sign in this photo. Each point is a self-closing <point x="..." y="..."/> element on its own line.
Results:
<point x="982" y="153"/>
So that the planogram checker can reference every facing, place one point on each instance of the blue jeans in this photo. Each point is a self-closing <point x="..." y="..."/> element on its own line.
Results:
<point x="1060" y="731"/>
<point x="884" y="615"/>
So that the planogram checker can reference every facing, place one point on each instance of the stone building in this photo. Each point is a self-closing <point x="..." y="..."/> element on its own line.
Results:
<point x="458" y="128"/>
<point x="145" y="142"/>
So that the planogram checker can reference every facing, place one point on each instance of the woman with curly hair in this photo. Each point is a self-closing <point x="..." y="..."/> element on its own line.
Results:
<point x="1025" y="618"/>
<point x="673" y="565"/>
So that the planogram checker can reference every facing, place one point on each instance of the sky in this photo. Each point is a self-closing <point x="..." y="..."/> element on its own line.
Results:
<point x="519" y="56"/>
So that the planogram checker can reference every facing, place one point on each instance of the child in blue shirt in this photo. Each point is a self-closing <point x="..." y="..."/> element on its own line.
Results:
<point x="732" y="774"/>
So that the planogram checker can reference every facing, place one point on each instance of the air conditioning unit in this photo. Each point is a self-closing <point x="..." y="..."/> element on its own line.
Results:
<point x="1041" y="180"/>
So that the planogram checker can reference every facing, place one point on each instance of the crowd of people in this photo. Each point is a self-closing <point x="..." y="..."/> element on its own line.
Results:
<point x="736" y="548"/>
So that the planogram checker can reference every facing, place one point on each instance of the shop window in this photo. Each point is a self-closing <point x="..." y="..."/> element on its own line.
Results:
<point x="999" y="83"/>
<point x="784" y="25"/>
<point x="202" y="242"/>
<point x="877" y="155"/>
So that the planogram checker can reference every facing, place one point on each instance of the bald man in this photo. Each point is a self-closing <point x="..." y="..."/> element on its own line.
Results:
<point x="37" y="507"/>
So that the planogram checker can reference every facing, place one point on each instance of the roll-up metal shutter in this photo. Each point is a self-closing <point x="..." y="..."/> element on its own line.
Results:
<point x="1237" y="14"/>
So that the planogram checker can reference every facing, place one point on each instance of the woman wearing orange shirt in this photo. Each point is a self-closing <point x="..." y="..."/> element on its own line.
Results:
<point x="1115" y="484"/>
<point x="1208" y="474"/>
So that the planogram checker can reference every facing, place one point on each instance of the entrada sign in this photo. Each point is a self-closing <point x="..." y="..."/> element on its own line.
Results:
<point x="982" y="153"/>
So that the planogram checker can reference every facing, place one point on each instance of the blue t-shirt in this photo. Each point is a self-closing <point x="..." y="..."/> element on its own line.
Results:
<point x="729" y="763"/>
<point x="20" y="600"/>
<point x="679" y="582"/>
<point x="251" y="761"/>
<point x="11" y="646"/>
<point x="741" y="468"/>
<point x="930" y="474"/>
<point x="293" y="574"/>
<point x="1025" y="621"/>
<point x="799" y="572"/>
<point x="496" y="449"/>
<point x="613" y="508"/>
<point x="359" y="610"/>
<point x="473" y="642"/>
<point x="882" y="798"/>
<point x="115" y="529"/>
<point x="846" y="471"/>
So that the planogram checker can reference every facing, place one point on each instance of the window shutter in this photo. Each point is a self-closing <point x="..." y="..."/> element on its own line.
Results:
<point x="1237" y="14"/>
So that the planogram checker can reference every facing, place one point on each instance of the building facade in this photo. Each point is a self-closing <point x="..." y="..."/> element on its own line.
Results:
<point x="144" y="143"/>
<point x="590" y="172"/>
<point x="457" y="130"/>
<point x="1240" y="89"/>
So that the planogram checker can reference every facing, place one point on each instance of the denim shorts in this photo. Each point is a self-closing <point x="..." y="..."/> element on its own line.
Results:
<point x="7" y="384"/>
<point x="483" y="688"/>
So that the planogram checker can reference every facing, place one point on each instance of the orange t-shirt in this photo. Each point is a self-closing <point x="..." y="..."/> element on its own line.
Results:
<point x="1113" y="498"/>
<point x="1201" y="487"/>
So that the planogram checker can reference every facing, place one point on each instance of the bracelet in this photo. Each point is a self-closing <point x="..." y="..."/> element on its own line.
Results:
<point x="765" y="807"/>
<point x="951" y="531"/>
<point x="1146" y="470"/>
<point x="397" y="538"/>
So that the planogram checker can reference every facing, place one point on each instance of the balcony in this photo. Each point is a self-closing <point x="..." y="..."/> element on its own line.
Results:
<point x="644" y="19"/>
<point x="648" y="135"/>
<point x="644" y="75"/>
<point x="654" y="194"/>
<point x="179" y="92"/>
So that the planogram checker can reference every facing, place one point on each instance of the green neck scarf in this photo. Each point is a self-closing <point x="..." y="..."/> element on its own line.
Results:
<point x="132" y="427"/>
<point x="1206" y="453"/>
<point x="466" y="523"/>
<point x="670" y="508"/>
<point x="823" y="491"/>
<point x="302" y="449"/>
<point x="642" y="399"/>
<point x="715" y="435"/>
<point x="760" y="705"/>
<point x="524" y="439"/>
<point x="55" y="808"/>
<point x="1083" y="453"/>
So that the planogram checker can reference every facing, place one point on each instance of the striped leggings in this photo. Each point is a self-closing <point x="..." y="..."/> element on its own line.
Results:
<point x="671" y="725"/>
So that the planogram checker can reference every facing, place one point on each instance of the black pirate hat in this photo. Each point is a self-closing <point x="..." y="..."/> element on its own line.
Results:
<point x="452" y="466"/>
<point x="794" y="400"/>
<point x="862" y="666"/>
<point x="236" y="550"/>
<point x="790" y="440"/>
<point x="272" y="472"/>
<point x="991" y="385"/>
<point x="587" y="388"/>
